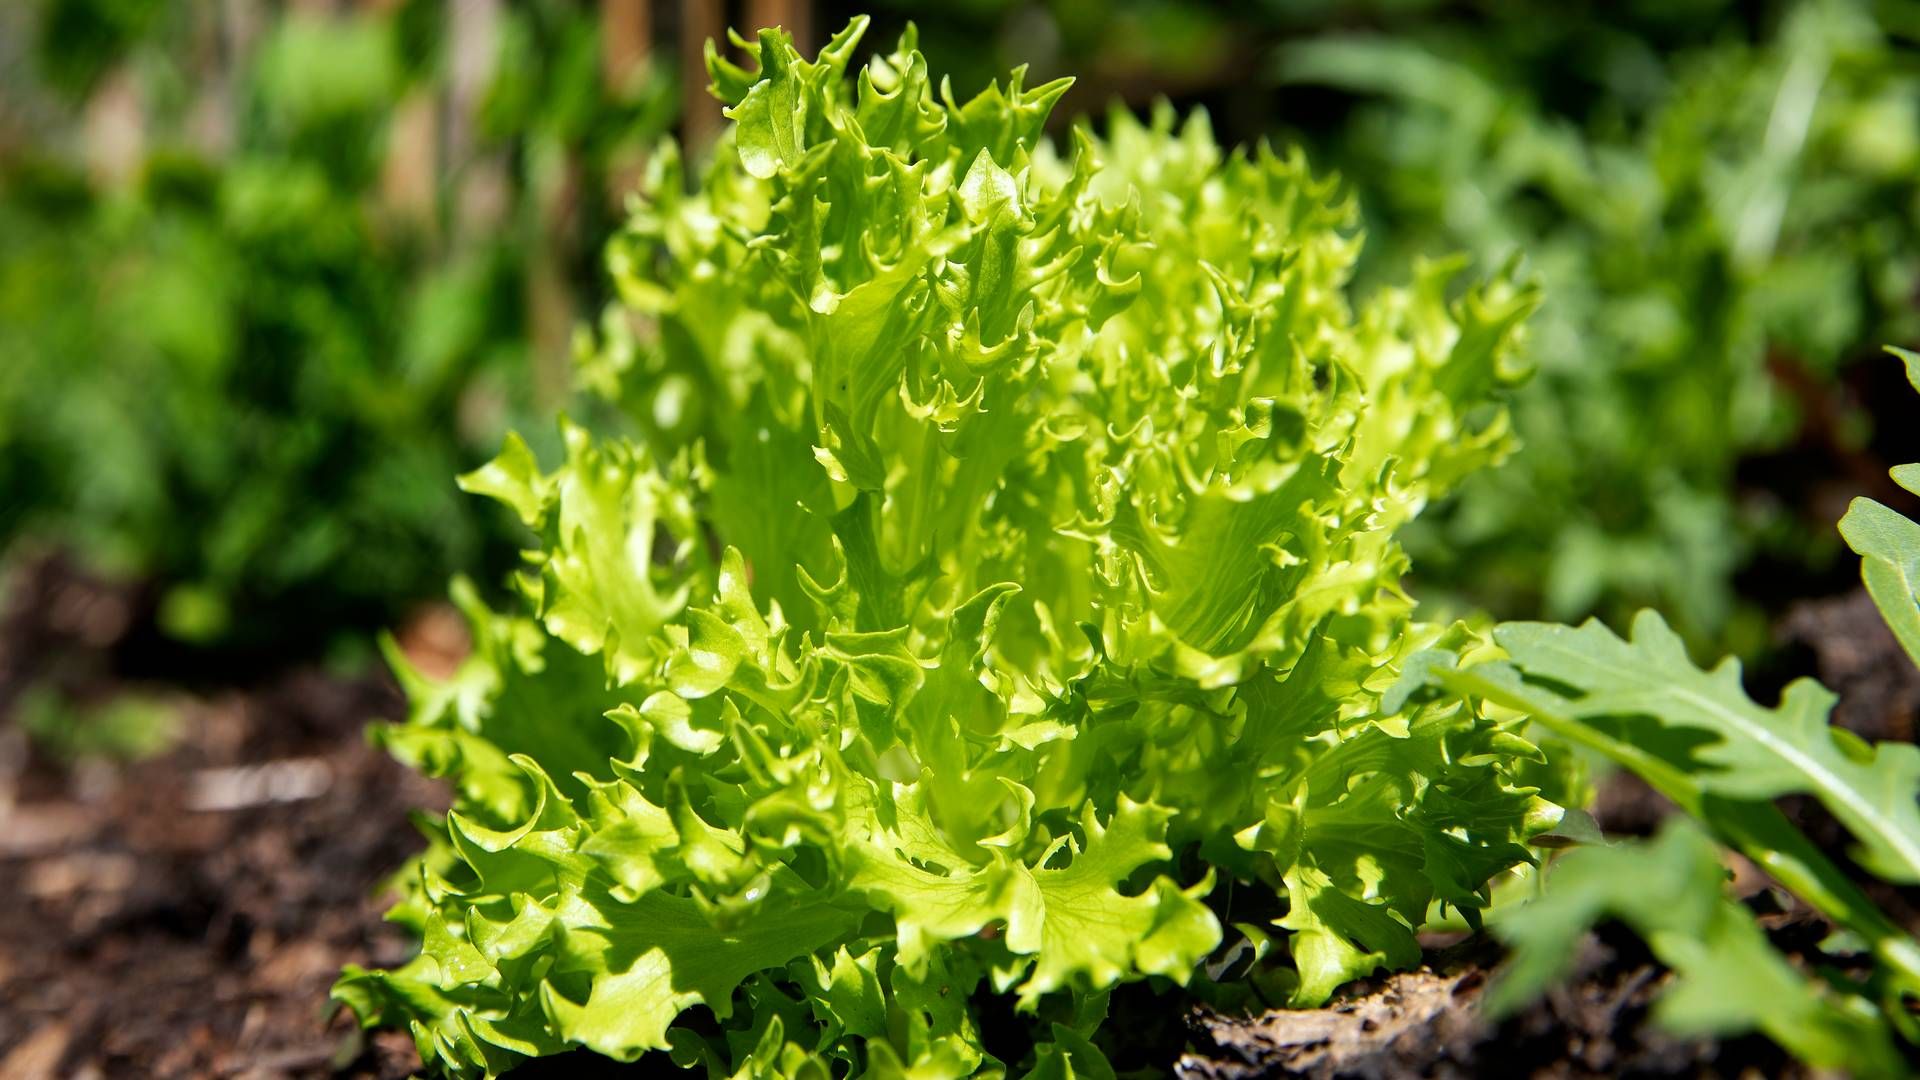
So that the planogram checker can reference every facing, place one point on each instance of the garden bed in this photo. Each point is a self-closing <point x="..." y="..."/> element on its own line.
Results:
<point x="184" y="916"/>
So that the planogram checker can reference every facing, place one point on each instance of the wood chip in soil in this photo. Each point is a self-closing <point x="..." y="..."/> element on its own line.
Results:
<point x="1427" y="1023"/>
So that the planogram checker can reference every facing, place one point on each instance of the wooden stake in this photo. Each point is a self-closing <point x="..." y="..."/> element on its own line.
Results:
<point x="700" y="20"/>
<point x="626" y="34"/>
<point x="793" y="16"/>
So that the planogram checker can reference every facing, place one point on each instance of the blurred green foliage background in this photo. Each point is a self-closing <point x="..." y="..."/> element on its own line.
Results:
<point x="270" y="277"/>
<point x="1722" y="227"/>
<point x="271" y="273"/>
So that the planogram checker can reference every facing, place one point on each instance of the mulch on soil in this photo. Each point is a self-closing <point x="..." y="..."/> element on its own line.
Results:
<point x="185" y="916"/>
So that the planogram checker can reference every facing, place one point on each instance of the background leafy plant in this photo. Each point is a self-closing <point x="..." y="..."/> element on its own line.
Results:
<point x="245" y="373"/>
<point x="1716" y="251"/>
<point x="1006" y="560"/>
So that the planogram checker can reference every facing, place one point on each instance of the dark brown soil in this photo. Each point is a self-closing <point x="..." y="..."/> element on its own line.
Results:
<point x="184" y="917"/>
<point x="1857" y="657"/>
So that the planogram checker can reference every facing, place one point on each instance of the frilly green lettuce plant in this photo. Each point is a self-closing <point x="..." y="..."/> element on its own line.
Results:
<point x="1005" y="582"/>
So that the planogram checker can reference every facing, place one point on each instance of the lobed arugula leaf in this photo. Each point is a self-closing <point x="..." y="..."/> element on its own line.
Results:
<point x="1728" y="977"/>
<point x="1697" y="738"/>
<point x="1728" y="746"/>
<point x="1889" y="545"/>
<point x="1006" y="557"/>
